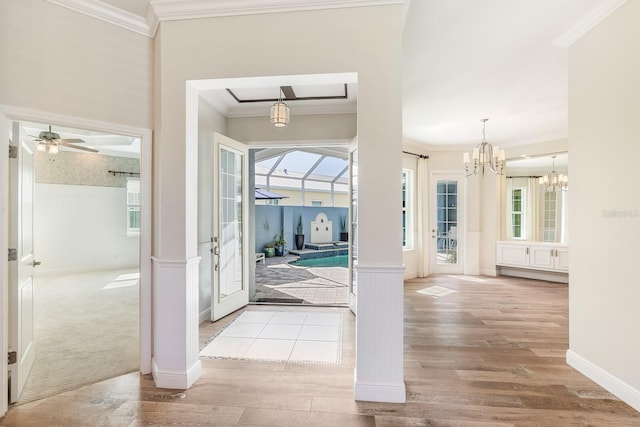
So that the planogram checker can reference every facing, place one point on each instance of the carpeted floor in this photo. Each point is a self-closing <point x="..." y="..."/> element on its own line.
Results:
<point x="86" y="331"/>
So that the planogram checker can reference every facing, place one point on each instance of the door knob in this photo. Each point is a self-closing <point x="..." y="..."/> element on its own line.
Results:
<point x="36" y="263"/>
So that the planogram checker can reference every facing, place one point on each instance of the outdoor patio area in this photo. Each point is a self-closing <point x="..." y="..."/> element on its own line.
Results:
<point x="277" y="281"/>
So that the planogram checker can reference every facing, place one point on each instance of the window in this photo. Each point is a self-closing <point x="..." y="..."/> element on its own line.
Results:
<point x="518" y="224"/>
<point x="133" y="207"/>
<point x="316" y="203"/>
<point x="407" y="203"/>
<point x="272" y="202"/>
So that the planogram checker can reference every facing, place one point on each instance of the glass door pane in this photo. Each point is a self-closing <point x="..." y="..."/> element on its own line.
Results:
<point x="446" y="241"/>
<point x="230" y="205"/>
<point x="230" y="259"/>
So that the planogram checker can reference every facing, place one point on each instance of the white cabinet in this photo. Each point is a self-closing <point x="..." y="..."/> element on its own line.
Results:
<point x="533" y="255"/>
<point x="512" y="254"/>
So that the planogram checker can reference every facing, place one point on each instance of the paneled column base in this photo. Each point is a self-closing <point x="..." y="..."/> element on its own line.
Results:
<point x="176" y="362"/>
<point x="380" y="334"/>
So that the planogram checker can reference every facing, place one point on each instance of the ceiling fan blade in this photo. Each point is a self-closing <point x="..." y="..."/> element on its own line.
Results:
<point x="70" y="141"/>
<point x="91" y="150"/>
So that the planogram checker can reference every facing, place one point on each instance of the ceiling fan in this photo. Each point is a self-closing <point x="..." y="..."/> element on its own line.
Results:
<point x="49" y="141"/>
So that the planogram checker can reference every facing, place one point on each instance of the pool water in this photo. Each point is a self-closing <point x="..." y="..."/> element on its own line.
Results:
<point x="328" y="261"/>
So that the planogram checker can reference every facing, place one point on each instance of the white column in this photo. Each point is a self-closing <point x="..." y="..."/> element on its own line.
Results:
<point x="175" y="322"/>
<point x="379" y="334"/>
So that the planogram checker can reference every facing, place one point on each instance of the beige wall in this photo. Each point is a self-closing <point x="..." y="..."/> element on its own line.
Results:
<point x="60" y="61"/>
<point x="199" y="49"/>
<point x="604" y="130"/>
<point x="324" y="127"/>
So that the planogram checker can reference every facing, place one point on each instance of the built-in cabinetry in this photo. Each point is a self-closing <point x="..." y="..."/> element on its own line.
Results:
<point x="533" y="255"/>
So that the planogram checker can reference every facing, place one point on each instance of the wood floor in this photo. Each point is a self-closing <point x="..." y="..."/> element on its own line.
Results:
<point x="492" y="353"/>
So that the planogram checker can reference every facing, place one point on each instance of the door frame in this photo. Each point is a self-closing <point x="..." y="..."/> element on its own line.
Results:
<point x="458" y="268"/>
<point x="11" y="113"/>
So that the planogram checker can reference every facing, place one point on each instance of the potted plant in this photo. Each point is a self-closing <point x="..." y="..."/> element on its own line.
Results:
<point x="299" y="233"/>
<point x="279" y="243"/>
<point x="269" y="250"/>
<point x="344" y="231"/>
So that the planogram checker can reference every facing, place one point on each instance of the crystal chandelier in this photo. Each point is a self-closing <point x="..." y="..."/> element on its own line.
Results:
<point x="484" y="156"/>
<point x="279" y="112"/>
<point x="553" y="181"/>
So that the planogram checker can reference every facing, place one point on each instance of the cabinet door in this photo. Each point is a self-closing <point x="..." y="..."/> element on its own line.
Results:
<point x="542" y="257"/>
<point x="562" y="259"/>
<point x="513" y="255"/>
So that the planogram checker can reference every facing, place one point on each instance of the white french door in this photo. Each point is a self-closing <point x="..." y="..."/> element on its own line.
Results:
<point x="447" y="223"/>
<point x="21" y="339"/>
<point x="230" y="227"/>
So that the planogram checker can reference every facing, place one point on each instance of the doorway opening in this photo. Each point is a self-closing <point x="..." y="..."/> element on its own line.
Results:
<point x="241" y="211"/>
<point x="76" y="207"/>
<point x="302" y="221"/>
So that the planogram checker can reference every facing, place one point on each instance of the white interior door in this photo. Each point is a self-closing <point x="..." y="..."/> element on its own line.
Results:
<point x="353" y="235"/>
<point x="447" y="223"/>
<point x="21" y="340"/>
<point x="230" y="227"/>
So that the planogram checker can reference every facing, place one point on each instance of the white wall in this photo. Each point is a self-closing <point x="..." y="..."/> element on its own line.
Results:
<point x="604" y="130"/>
<point x="82" y="228"/>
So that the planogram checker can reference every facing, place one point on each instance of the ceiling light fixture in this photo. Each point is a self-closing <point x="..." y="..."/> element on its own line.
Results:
<point x="47" y="147"/>
<point x="553" y="181"/>
<point x="279" y="112"/>
<point x="484" y="156"/>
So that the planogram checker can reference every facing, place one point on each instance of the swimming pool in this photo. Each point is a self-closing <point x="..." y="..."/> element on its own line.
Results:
<point x="328" y="261"/>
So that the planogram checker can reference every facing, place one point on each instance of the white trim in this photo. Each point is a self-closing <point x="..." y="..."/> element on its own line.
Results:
<point x="590" y="21"/>
<point x="181" y="380"/>
<point x="616" y="386"/>
<point x="146" y="206"/>
<point x="205" y="315"/>
<point x="111" y="14"/>
<point x="4" y="264"/>
<point x="171" y="10"/>
<point x="489" y="272"/>
<point x="378" y="269"/>
<point x="392" y="393"/>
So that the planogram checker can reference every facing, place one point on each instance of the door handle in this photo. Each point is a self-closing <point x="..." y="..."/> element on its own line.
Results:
<point x="36" y="263"/>
<point x="216" y="250"/>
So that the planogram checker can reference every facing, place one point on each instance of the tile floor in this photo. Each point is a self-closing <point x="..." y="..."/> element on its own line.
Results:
<point x="276" y="279"/>
<point x="284" y="336"/>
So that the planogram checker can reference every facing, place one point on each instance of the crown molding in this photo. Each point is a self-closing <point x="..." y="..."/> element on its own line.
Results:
<point x="590" y="21"/>
<point x="106" y="12"/>
<point x="169" y="10"/>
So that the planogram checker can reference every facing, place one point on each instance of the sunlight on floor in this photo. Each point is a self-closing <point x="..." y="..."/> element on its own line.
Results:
<point x="294" y="337"/>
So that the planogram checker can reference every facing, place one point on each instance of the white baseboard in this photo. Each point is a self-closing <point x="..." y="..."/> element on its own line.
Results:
<point x="614" y="385"/>
<point x="548" y="276"/>
<point x="408" y="275"/>
<point x="489" y="272"/>
<point x="181" y="380"/>
<point x="380" y="392"/>
<point x="205" y="315"/>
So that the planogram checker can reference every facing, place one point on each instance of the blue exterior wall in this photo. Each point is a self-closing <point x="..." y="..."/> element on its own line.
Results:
<point x="270" y="220"/>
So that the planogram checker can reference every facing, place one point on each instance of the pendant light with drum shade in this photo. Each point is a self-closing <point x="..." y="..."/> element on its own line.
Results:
<point x="279" y="112"/>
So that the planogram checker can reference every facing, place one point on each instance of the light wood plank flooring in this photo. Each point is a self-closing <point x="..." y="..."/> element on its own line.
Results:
<point x="489" y="354"/>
